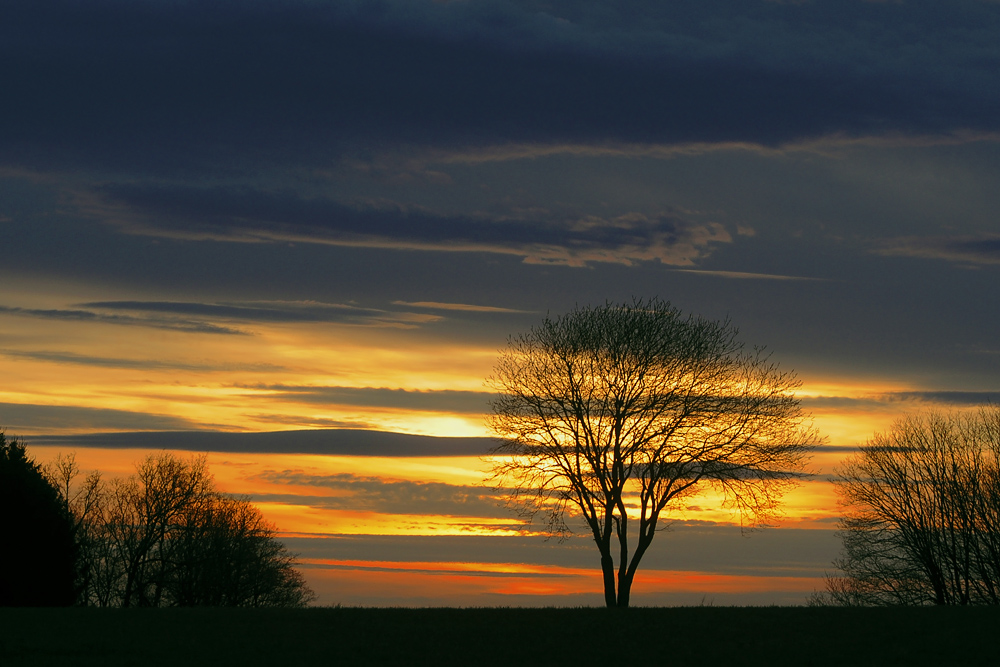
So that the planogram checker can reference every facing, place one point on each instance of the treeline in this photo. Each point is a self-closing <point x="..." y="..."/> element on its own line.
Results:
<point x="922" y="521"/>
<point x="163" y="536"/>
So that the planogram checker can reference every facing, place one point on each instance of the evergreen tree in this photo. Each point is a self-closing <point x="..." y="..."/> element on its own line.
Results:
<point x="38" y="559"/>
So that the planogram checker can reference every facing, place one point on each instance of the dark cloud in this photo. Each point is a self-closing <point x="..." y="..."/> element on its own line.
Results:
<point x="718" y="549"/>
<point x="309" y="422"/>
<point x="196" y="317"/>
<point x="345" y="442"/>
<point x="76" y="315"/>
<point x="270" y="311"/>
<point x="436" y="401"/>
<point x="175" y="86"/>
<point x="982" y="249"/>
<point x="464" y="307"/>
<point x="962" y="398"/>
<point x="139" y="364"/>
<point x="27" y="419"/>
<point x="895" y="398"/>
<point x="373" y="494"/>
<point x="253" y="216"/>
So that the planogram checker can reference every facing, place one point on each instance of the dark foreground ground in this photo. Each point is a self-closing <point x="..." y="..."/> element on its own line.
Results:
<point x="720" y="636"/>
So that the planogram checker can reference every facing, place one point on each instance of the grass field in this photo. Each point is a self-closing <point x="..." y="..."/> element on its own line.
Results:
<point x="353" y="636"/>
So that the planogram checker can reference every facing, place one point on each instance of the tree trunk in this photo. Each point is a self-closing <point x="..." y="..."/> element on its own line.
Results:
<point x="608" y="566"/>
<point x="624" y="590"/>
<point x="628" y="575"/>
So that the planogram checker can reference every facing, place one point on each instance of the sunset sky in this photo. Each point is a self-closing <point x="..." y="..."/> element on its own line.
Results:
<point x="239" y="218"/>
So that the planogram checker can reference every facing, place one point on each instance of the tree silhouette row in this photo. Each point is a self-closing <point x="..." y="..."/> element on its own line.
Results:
<point x="163" y="536"/>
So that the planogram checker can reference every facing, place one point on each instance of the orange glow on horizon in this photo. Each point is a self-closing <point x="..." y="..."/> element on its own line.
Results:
<point x="475" y="581"/>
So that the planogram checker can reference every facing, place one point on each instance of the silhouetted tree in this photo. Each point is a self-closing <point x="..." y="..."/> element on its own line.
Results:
<point x="618" y="412"/>
<point x="922" y="522"/>
<point x="165" y="537"/>
<point x="225" y="554"/>
<point x="81" y="504"/>
<point x="38" y="560"/>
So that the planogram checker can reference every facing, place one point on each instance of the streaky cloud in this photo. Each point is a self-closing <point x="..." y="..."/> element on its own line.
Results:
<point x="413" y="159"/>
<point x="138" y="364"/>
<point x="242" y="85"/>
<point x="446" y="400"/>
<point x="342" y="442"/>
<point x="270" y="311"/>
<point x="980" y="249"/>
<point x="700" y="547"/>
<point x="32" y="419"/>
<point x="903" y="399"/>
<point x="744" y="275"/>
<point x="78" y="315"/>
<point x="437" y="305"/>
<point x="947" y="397"/>
<point x="301" y="422"/>
<point x="389" y="496"/>
<point x="243" y="215"/>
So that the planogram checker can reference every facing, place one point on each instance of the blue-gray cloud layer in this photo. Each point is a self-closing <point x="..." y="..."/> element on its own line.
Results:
<point x="446" y="400"/>
<point x="21" y="418"/>
<point x="344" y="442"/>
<point x="238" y="163"/>
<point x="246" y="215"/>
<point x="720" y="549"/>
<point x="82" y="315"/>
<point x="180" y="85"/>
<point x="196" y="317"/>
<point x="894" y="399"/>
<point x="373" y="494"/>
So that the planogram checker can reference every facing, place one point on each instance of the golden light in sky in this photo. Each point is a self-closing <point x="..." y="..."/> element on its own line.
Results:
<point x="266" y="380"/>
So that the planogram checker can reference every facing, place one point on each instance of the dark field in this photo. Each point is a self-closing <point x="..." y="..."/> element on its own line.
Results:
<point x="735" y="636"/>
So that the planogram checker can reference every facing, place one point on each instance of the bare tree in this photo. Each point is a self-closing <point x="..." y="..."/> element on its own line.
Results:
<point x="226" y="554"/>
<point x="618" y="412"/>
<point x="165" y="537"/>
<point x="82" y="504"/>
<point x="922" y="513"/>
<point x="140" y="515"/>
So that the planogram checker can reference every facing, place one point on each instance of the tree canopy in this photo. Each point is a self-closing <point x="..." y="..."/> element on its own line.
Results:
<point x="616" y="413"/>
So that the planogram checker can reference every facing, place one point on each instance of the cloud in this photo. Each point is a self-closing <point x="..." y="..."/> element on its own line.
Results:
<point x="344" y="442"/>
<point x="196" y="317"/>
<point x="253" y="216"/>
<point x="438" y="401"/>
<point x="77" y="315"/>
<point x="916" y="398"/>
<point x="24" y="418"/>
<point x="309" y="422"/>
<point x="181" y="87"/>
<point x="722" y="549"/>
<point x="962" y="398"/>
<point x="436" y="305"/>
<point x="969" y="249"/>
<point x="374" y="494"/>
<point x="271" y="311"/>
<point x="140" y="364"/>
<point x="743" y="275"/>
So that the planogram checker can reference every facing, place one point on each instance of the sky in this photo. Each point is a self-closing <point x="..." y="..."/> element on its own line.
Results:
<point x="296" y="234"/>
